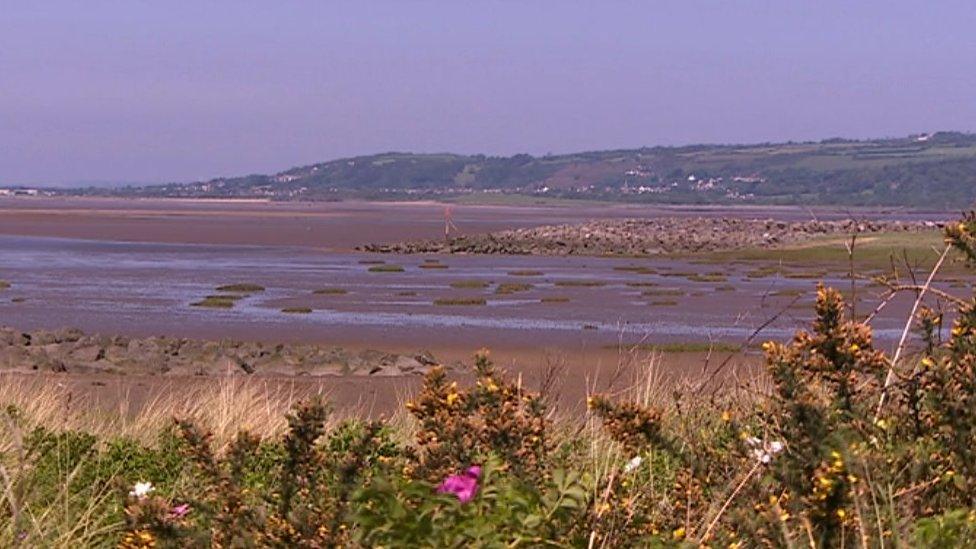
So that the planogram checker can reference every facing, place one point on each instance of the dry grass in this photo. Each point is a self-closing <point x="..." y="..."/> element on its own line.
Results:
<point x="224" y="406"/>
<point x="81" y="518"/>
<point x="231" y="404"/>
<point x="679" y="347"/>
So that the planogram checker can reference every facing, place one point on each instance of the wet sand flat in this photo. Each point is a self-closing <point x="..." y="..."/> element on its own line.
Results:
<point x="332" y="225"/>
<point x="136" y="267"/>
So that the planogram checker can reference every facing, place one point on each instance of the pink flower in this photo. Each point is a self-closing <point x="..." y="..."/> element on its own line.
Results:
<point x="464" y="486"/>
<point x="179" y="511"/>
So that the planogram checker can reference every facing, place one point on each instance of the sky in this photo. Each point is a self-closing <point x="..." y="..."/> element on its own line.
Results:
<point x="142" y="91"/>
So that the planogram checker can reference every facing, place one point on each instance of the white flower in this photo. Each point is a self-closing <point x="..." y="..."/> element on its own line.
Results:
<point x="764" y="450"/>
<point x="633" y="464"/>
<point x="141" y="489"/>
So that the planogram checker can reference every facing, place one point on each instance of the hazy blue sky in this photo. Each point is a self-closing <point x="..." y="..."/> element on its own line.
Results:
<point x="187" y="90"/>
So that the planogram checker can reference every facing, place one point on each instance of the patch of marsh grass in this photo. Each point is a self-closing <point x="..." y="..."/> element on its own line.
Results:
<point x="331" y="291"/>
<point x="710" y="277"/>
<point x="635" y="269"/>
<point x="662" y="292"/>
<point x="679" y="274"/>
<point x="525" y="272"/>
<point x="512" y="287"/>
<point x="241" y="288"/>
<point x="216" y="302"/>
<point x="763" y="272"/>
<point x="580" y="283"/>
<point x="385" y="268"/>
<point x="460" y="301"/>
<point x="469" y="284"/>
<point x="805" y="274"/>
<point x="297" y="310"/>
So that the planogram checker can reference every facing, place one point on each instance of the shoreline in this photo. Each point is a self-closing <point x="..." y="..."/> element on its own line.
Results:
<point x="649" y="237"/>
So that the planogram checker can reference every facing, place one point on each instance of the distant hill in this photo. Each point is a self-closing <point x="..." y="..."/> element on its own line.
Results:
<point x="928" y="170"/>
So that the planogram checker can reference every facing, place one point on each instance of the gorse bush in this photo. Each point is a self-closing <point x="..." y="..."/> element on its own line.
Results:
<point x="837" y="444"/>
<point x="459" y="427"/>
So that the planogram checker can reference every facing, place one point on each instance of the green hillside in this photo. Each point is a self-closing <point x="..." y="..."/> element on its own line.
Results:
<point x="937" y="170"/>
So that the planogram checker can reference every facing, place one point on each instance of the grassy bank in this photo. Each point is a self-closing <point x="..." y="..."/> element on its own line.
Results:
<point x="871" y="252"/>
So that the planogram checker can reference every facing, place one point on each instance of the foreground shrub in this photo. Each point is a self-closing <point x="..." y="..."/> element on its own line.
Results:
<point x="461" y="427"/>
<point x="507" y="511"/>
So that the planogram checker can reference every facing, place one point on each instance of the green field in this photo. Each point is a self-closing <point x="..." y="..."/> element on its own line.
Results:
<point x="871" y="252"/>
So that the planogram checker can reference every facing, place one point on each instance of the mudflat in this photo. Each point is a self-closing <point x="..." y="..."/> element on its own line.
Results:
<point x="340" y="225"/>
<point x="192" y="269"/>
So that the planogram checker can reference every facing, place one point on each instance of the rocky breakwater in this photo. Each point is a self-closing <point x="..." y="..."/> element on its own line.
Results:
<point x="73" y="351"/>
<point x="637" y="237"/>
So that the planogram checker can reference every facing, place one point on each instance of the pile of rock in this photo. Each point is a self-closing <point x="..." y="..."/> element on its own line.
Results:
<point x="72" y="351"/>
<point x="632" y="237"/>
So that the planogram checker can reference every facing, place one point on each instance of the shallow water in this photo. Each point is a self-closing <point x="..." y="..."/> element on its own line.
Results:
<point x="147" y="288"/>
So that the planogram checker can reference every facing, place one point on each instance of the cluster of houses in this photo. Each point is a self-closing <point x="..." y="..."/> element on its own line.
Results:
<point x="19" y="192"/>
<point x="692" y="183"/>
